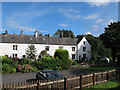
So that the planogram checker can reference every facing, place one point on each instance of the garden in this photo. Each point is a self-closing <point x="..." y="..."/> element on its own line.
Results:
<point x="60" y="61"/>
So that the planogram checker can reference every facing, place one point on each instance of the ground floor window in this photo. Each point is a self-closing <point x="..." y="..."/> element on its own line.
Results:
<point x="14" y="55"/>
<point x="73" y="56"/>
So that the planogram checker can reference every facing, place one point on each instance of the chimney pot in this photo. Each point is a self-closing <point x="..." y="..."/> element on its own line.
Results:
<point x="36" y="33"/>
<point x="21" y="33"/>
<point x="48" y="35"/>
<point x="6" y="32"/>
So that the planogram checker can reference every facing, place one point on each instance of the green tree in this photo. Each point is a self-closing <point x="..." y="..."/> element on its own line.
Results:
<point x="111" y="38"/>
<point x="31" y="51"/>
<point x="66" y="33"/>
<point x="43" y="53"/>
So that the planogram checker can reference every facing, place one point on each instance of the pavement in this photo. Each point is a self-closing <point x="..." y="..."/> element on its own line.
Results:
<point x="21" y="77"/>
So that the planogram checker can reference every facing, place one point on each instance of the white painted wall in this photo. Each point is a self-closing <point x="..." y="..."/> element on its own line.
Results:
<point x="7" y="49"/>
<point x="80" y="48"/>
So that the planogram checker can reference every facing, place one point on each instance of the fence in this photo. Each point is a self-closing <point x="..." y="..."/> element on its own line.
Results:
<point x="81" y="81"/>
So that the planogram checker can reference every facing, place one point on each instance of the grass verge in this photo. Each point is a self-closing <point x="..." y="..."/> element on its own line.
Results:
<point x="113" y="84"/>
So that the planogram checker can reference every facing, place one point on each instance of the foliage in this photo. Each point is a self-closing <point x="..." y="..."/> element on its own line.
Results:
<point x="111" y="38"/>
<point x="31" y="52"/>
<point x="25" y="61"/>
<point x="66" y="33"/>
<point x="63" y="56"/>
<point x="25" y="68"/>
<point x="43" y="53"/>
<point x="6" y="68"/>
<point x="75" y="63"/>
<point x="48" y="63"/>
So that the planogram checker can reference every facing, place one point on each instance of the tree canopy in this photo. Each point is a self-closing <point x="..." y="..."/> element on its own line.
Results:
<point x="111" y="38"/>
<point x="66" y="33"/>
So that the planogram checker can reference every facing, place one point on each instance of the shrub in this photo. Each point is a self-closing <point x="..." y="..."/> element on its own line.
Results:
<point x="25" y="68"/>
<point x="43" y="53"/>
<point x="63" y="56"/>
<point x="25" y="61"/>
<point x="7" y="69"/>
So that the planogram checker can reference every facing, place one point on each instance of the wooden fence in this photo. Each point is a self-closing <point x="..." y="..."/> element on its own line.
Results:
<point x="81" y="81"/>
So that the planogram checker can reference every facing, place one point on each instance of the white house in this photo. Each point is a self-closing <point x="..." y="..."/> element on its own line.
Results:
<point x="14" y="45"/>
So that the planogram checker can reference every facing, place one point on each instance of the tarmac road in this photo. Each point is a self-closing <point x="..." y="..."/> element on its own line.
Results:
<point x="21" y="77"/>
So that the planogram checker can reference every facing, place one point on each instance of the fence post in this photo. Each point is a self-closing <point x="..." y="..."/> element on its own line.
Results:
<point x="65" y="83"/>
<point x="94" y="79"/>
<point x="107" y="76"/>
<point x="81" y="81"/>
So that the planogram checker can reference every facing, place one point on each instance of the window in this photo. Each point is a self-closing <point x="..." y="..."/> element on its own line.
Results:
<point x="47" y="48"/>
<point x="60" y="47"/>
<point x="15" y="47"/>
<point x="73" y="48"/>
<point x="14" y="55"/>
<point x="84" y="55"/>
<point x="73" y="56"/>
<point x="84" y="48"/>
<point x="83" y="42"/>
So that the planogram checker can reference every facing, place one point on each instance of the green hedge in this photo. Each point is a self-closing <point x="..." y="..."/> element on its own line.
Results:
<point x="63" y="56"/>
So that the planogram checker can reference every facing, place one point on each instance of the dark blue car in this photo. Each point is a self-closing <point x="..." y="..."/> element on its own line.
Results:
<point x="48" y="74"/>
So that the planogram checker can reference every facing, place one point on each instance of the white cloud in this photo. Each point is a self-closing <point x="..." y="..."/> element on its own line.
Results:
<point x="109" y="21"/>
<point x="95" y="27"/>
<point x="99" y="20"/>
<point x="15" y="25"/>
<point x="99" y="3"/>
<point x="87" y="32"/>
<point x="64" y="25"/>
<point x="73" y="14"/>
<point x="92" y="16"/>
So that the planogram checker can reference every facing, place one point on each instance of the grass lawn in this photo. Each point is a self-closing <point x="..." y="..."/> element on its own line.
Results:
<point x="102" y="68"/>
<point x="113" y="84"/>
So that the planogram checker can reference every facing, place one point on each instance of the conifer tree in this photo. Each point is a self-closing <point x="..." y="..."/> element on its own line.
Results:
<point x="31" y="51"/>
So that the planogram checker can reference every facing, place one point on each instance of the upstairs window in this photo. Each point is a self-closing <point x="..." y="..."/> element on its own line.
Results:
<point x="47" y="48"/>
<point x="60" y="47"/>
<point x="73" y="48"/>
<point x="15" y="47"/>
<point x="84" y="48"/>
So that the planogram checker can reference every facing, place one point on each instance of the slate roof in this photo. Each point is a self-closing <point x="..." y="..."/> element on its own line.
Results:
<point x="26" y="39"/>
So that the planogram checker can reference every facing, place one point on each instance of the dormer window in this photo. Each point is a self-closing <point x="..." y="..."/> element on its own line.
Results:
<point x="15" y="47"/>
<point x="73" y="48"/>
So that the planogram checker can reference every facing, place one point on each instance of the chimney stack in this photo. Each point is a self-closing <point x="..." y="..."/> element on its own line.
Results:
<point x="21" y="33"/>
<point x="6" y="32"/>
<point x="48" y="35"/>
<point x="36" y="33"/>
<point x="61" y="35"/>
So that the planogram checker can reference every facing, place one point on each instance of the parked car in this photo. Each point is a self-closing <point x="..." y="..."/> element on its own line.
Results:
<point x="48" y="74"/>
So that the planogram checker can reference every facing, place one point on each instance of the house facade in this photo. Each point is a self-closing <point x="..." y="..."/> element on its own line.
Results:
<point x="13" y="45"/>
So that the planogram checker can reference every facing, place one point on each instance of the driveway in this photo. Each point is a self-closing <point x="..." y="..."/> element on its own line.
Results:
<point x="21" y="77"/>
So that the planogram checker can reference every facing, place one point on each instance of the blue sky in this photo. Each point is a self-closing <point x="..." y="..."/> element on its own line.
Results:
<point x="48" y="17"/>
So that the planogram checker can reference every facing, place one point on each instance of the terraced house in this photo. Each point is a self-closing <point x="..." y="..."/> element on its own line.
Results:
<point x="14" y="45"/>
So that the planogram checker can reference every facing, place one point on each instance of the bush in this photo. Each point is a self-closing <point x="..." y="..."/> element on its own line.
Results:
<point x="25" y="61"/>
<point x="7" y="69"/>
<point x="48" y="63"/>
<point x="25" y="68"/>
<point x="43" y="53"/>
<point x="63" y="56"/>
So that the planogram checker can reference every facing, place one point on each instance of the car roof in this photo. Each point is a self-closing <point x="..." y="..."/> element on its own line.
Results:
<point x="48" y="71"/>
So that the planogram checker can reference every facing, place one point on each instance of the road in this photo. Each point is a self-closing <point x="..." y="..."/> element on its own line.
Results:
<point x="21" y="77"/>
